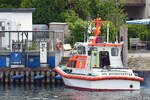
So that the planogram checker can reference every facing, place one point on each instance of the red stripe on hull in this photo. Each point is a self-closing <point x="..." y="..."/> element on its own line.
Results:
<point x="96" y="90"/>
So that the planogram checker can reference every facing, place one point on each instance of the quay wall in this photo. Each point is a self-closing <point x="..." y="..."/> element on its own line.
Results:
<point x="28" y="76"/>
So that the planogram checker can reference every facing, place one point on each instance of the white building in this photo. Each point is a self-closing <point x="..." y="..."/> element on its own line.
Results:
<point x="14" y="20"/>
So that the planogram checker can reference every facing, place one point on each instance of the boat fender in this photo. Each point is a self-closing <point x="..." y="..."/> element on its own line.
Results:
<point x="59" y="45"/>
<point x="38" y="77"/>
<point x="58" y="77"/>
<point x="16" y="77"/>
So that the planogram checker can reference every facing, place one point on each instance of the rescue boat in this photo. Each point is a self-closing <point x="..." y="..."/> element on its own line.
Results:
<point x="97" y="66"/>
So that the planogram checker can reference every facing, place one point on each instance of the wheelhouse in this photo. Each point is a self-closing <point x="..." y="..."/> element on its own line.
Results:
<point x="109" y="56"/>
<point x="77" y="62"/>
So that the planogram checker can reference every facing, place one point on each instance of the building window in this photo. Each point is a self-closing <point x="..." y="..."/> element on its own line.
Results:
<point x="2" y="28"/>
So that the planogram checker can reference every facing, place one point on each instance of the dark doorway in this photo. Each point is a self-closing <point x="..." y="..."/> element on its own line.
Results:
<point x="104" y="58"/>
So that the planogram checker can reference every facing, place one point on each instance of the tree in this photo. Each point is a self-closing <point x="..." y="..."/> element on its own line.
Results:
<point x="78" y="29"/>
<point x="10" y="3"/>
<point x="75" y="12"/>
<point x="70" y="11"/>
<point x="117" y="16"/>
<point x="111" y="31"/>
<point x="110" y="10"/>
<point x="56" y="10"/>
<point x="43" y="13"/>
<point x="5" y="6"/>
<point x="138" y="31"/>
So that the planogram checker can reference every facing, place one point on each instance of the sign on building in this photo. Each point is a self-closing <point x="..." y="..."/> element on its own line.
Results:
<point x="43" y="52"/>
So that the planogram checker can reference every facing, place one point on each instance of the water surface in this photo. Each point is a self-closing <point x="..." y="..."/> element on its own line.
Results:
<point x="48" y="92"/>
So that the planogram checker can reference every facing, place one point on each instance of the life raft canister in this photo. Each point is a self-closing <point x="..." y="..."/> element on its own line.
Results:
<point x="59" y="45"/>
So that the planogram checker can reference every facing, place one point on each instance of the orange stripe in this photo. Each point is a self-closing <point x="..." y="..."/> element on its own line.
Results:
<point x="90" y="78"/>
<point x="95" y="44"/>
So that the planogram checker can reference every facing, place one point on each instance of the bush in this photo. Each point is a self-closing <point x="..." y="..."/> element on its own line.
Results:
<point x="138" y="31"/>
<point x="77" y="30"/>
<point x="112" y="32"/>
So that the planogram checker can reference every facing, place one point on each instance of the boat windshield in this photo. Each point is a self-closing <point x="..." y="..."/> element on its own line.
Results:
<point x="80" y="50"/>
<point x="114" y="51"/>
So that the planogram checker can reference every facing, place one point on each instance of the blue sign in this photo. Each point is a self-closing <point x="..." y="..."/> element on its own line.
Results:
<point x="16" y="58"/>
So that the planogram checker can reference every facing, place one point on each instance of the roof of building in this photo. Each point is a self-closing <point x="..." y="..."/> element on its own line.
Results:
<point x="59" y="23"/>
<point x="17" y="9"/>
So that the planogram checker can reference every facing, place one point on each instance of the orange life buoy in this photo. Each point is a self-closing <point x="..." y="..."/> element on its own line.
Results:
<point x="59" y="45"/>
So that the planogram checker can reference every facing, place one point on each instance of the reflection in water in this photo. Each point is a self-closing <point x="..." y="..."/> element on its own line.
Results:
<point x="47" y="92"/>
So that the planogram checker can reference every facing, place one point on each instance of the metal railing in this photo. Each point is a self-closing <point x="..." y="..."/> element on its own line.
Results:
<point x="29" y="43"/>
<point x="29" y="37"/>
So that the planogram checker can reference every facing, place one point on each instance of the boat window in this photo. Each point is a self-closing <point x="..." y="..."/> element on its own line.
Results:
<point x="80" y="65"/>
<point x="90" y="50"/>
<point x="81" y="50"/>
<point x="114" y="51"/>
<point x="69" y="63"/>
<point x="72" y="63"/>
